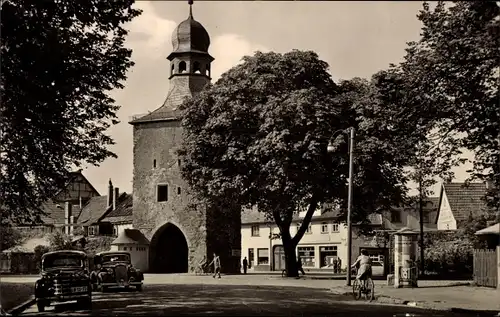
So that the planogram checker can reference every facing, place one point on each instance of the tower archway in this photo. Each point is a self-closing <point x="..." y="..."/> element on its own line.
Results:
<point x="168" y="250"/>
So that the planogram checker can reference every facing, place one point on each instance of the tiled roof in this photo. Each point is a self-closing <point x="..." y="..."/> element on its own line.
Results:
<point x="123" y="209"/>
<point x="93" y="210"/>
<point x="131" y="236"/>
<point x="465" y="200"/>
<point x="55" y="214"/>
<point x="253" y="216"/>
<point x="160" y="114"/>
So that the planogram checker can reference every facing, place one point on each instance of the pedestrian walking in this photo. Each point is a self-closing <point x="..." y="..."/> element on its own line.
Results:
<point x="299" y="265"/>
<point x="216" y="262"/>
<point x="245" y="265"/>
<point x="335" y="266"/>
<point x="339" y="265"/>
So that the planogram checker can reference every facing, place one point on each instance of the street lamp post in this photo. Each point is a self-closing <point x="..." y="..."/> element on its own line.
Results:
<point x="349" y="207"/>
<point x="349" y="204"/>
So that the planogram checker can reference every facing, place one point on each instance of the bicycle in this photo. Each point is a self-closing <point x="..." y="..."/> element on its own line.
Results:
<point x="364" y="287"/>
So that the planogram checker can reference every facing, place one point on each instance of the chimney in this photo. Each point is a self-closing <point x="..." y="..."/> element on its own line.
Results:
<point x="115" y="197"/>
<point x="72" y="222"/>
<point x="67" y="216"/>
<point x="110" y="193"/>
<point x="489" y="185"/>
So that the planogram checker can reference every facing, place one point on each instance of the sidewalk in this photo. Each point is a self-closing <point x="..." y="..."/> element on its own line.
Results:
<point x="441" y="295"/>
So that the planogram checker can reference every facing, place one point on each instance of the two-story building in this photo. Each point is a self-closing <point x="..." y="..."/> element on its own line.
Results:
<point x="326" y="237"/>
<point x="324" y="240"/>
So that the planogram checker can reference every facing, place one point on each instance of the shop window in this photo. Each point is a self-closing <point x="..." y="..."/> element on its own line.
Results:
<point x="307" y="256"/>
<point x="262" y="256"/>
<point x="327" y="254"/>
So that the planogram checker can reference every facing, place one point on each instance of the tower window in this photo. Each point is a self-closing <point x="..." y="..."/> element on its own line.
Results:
<point x="154" y="163"/>
<point x="172" y="70"/>
<point x="162" y="193"/>
<point x="178" y="190"/>
<point x="182" y="67"/>
<point x="207" y="70"/>
<point x="196" y="68"/>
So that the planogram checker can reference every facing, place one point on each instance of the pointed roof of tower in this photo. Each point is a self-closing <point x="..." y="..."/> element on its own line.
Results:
<point x="190" y="36"/>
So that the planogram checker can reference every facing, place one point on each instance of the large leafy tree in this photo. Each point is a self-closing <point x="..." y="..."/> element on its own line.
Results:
<point x="454" y="68"/>
<point x="60" y="60"/>
<point x="259" y="136"/>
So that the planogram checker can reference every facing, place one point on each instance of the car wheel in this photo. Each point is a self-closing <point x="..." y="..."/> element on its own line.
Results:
<point x="139" y="288"/>
<point x="40" y="305"/>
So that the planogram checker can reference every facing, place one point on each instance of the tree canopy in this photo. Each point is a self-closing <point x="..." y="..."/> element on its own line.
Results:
<point x="60" y="60"/>
<point x="259" y="137"/>
<point x="454" y="69"/>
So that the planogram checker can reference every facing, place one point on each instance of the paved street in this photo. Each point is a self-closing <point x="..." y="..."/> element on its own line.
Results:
<point x="204" y="299"/>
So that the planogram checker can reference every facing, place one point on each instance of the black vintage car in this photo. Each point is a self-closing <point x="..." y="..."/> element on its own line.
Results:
<point x="114" y="269"/>
<point x="64" y="278"/>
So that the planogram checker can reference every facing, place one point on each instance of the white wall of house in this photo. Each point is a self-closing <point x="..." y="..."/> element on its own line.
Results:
<point x="139" y="254"/>
<point x="323" y="241"/>
<point x="446" y="220"/>
<point x="409" y="218"/>
<point x="118" y="228"/>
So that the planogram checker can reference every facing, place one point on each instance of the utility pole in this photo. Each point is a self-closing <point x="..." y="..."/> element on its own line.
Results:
<point x="349" y="207"/>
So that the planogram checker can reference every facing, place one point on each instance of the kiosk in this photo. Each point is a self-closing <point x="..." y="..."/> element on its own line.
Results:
<point x="405" y="255"/>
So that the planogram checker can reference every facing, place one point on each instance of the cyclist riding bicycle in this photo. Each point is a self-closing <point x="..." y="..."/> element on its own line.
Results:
<point x="364" y="262"/>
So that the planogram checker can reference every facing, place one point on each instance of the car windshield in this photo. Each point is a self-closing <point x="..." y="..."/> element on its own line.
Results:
<point x="115" y="258"/>
<point x="62" y="260"/>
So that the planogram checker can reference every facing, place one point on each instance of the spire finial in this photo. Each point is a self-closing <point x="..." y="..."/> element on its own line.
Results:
<point x="190" y="2"/>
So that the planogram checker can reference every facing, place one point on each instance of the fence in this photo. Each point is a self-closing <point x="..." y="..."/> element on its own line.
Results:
<point x="485" y="268"/>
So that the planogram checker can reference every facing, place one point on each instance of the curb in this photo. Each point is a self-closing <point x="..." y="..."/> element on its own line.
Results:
<point x="382" y="299"/>
<point x="20" y="308"/>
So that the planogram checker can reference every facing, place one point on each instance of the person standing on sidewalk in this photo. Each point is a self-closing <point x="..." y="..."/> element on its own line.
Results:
<point x="299" y="265"/>
<point x="245" y="265"/>
<point x="339" y="265"/>
<point x="216" y="262"/>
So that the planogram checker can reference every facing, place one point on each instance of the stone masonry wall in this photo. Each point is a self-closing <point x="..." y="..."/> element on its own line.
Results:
<point x="203" y="229"/>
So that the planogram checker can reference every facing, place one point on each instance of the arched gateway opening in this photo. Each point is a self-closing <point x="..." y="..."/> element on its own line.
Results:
<point x="168" y="251"/>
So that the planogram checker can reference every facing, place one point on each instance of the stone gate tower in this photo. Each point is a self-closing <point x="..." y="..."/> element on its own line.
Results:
<point x="180" y="235"/>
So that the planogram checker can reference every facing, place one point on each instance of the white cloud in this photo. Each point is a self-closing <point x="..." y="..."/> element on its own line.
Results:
<point x="228" y="50"/>
<point x="149" y="34"/>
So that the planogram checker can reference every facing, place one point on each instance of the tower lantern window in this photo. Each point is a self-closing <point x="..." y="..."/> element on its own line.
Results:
<point x="182" y="67"/>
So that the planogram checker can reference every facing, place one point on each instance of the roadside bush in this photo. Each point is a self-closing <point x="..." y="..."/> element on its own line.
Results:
<point x="9" y="237"/>
<point x="98" y="244"/>
<point x="39" y="251"/>
<point x="449" y="253"/>
<point x="60" y="241"/>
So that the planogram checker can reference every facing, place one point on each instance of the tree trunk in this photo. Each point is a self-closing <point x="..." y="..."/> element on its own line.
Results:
<point x="290" y="258"/>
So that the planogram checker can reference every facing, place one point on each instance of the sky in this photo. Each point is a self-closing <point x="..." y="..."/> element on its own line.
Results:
<point x="356" y="39"/>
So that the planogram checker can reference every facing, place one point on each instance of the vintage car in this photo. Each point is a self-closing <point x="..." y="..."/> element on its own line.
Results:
<point x="113" y="269"/>
<point x="65" y="277"/>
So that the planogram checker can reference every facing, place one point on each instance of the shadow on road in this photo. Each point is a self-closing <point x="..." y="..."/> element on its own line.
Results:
<point x="225" y="300"/>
